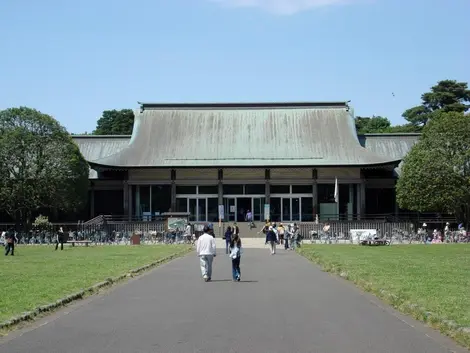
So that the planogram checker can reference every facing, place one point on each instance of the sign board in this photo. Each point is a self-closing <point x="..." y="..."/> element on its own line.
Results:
<point x="267" y="211"/>
<point x="233" y="209"/>
<point x="221" y="211"/>
<point x="177" y="223"/>
<point x="357" y="235"/>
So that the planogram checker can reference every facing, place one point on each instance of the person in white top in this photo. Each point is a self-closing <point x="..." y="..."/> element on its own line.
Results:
<point x="206" y="250"/>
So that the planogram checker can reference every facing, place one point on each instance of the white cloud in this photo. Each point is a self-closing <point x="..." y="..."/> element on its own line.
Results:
<point x="283" y="7"/>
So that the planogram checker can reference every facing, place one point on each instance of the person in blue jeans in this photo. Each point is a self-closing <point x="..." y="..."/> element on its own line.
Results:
<point x="228" y="239"/>
<point x="235" y="255"/>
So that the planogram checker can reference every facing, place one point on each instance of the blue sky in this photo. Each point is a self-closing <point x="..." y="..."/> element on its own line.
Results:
<point x="74" y="59"/>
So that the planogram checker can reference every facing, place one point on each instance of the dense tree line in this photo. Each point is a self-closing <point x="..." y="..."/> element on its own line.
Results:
<point x="436" y="172"/>
<point x="41" y="166"/>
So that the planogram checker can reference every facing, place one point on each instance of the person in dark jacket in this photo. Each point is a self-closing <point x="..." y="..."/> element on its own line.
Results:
<point x="211" y="230"/>
<point x="271" y="238"/>
<point x="60" y="239"/>
<point x="10" y="242"/>
<point x="228" y="239"/>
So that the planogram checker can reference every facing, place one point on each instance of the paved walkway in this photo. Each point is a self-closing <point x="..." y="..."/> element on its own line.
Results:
<point x="283" y="304"/>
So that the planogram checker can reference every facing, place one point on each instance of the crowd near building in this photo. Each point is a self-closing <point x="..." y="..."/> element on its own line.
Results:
<point x="293" y="161"/>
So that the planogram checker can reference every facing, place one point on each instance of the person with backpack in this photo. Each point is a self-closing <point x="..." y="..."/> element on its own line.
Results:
<point x="228" y="238"/>
<point x="10" y="239"/>
<point x="271" y="239"/>
<point x="235" y="255"/>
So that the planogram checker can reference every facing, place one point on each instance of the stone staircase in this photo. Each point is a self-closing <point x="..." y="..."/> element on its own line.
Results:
<point x="247" y="243"/>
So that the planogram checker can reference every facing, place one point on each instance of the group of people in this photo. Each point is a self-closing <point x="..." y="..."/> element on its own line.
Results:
<point x="206" y="250"/>
<point x="8" y="239"/>
<point x="289" y="237"/>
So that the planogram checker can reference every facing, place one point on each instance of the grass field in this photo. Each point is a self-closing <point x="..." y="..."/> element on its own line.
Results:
<point x="436" y="278"/>
<point x="38" y="275"/>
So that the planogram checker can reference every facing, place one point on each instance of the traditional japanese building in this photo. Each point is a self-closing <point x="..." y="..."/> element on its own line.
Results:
<point x="285" y="159"/>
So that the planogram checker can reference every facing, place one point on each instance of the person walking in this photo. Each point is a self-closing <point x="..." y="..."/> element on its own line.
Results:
<point x="206" y="250"/>
<point x="235" y="255"/>
<point x="10" y="239"/>
<point x="228" y="238"/>
<point x="60" y="239"/>
<point x="271" y="239"/>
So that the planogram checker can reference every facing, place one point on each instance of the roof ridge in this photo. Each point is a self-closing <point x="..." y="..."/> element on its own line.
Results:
<point x="234" y="105"/>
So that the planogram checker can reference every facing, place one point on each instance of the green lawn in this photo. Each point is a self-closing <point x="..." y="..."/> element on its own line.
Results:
<point x="435" y="277"/>
<point x="38" y="275"/>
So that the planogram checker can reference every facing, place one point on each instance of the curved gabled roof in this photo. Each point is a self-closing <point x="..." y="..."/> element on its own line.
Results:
<point x="94" y="147"/>
<point x="238" y="135"/>
<point x="396" y="145"/>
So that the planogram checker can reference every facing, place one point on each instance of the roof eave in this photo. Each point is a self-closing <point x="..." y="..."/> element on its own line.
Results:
<point x="392" y="164"/>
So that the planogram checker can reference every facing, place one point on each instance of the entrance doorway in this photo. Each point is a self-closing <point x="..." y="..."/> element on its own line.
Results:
<point x="243" y="206"/>
<point x="235" y="208"/>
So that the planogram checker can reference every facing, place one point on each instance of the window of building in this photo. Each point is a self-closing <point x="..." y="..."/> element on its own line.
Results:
<point x="326" y="193"/>
<point x="212" y="209"/>
<point x="275" y="209"/>
<point x="144" y="205"/>
<point x="280" y="189"/>
<point x="185" y="190"/>
<point x="302" y="189"/>
<point x="233" y="189"/>
<point x="307" y="209"/>
<point x="208" y="189"/>
<point x="181" y="205"/>
<point x="255" y="189"/>
<point x="201" y="210"/>
<point x="161" y="199"/>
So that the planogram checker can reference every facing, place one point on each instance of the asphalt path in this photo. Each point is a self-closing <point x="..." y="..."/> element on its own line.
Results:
<point x="282" y="304"/>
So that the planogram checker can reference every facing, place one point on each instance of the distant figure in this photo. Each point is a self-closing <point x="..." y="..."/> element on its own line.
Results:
<point x="271" y="239"/>
<point x="228" y="238"/>
<point x="249" y="216"/>
<point x="281" y="231"/>
<point x="210" y="231"/>
<point x="235" y="255"/>
<point x="10" y="242"/>
<point x="206" y="250"/>
<point x="60" y="239"/>
<point x="235" y="229"/>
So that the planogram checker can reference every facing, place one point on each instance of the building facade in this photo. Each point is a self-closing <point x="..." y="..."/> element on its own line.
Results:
<point x="292" y="161"/>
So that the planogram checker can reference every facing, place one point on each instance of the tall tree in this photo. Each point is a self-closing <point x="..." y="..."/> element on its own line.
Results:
<point x="41" y="167"/>
<point x="436" y="172"/>
<point x="374" y="124"/>
<point x="446" y="96"/>
<point x="115" y="122"/>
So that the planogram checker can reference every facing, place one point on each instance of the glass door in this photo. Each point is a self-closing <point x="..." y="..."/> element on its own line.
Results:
<point x="192" y="209"/>
<point x="258" y="209"/>
<point x="230" y="209"/>
<point x="201" y="210"/>
<point x="286" y="210"/>
<point x="295" y="207"/>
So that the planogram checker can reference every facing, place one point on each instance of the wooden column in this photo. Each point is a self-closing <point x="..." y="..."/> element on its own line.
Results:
<point x="221" y="188"/>
<point x="125" y="199"/>
<point x="267" y="177"/>
<point x="362" y="197"/>
<point x="267" y="192"/>
<point x="130" y="198"/>
<point x="315" y="193"/>
<point x="173" y="190"/>
<point x="92" y="201"/>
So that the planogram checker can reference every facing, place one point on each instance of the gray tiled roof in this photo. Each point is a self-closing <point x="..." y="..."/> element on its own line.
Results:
<point x="263" y="134"/>
<point x="390" y="145"/>
<point x="95" y="147"/>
